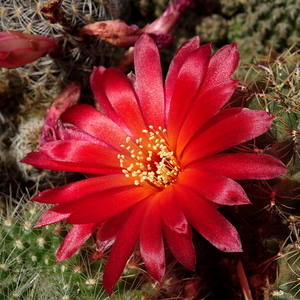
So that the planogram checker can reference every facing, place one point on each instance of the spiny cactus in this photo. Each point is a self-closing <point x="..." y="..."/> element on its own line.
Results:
<point x="287" y="285"/>
<point x="27" y="269"/>
<point x="229" y="8"/>
<point x="27" y="91"/>
<point x="60" y="20"/>
<point x="273" y="85"/>
<point x="212" y="29"/>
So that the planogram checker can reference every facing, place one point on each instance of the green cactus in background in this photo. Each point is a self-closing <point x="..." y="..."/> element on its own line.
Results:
<point x="212" y="29"/>
<point x="262" y="26"/>
<point x="273" y="85"/>
<point x="257" y="26"/>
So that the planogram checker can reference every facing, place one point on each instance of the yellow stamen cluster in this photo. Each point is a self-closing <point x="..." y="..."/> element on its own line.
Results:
<point x="150" y="161"/>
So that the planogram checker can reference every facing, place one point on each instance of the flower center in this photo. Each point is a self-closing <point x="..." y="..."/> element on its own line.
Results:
<point x="150" y="161"/>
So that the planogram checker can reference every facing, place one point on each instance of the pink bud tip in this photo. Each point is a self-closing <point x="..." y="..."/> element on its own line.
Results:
<point x="115" y="32"/>
<point x="69" y="97"/>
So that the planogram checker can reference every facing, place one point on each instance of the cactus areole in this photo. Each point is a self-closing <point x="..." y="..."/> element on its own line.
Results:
<point x="154" y="159"/>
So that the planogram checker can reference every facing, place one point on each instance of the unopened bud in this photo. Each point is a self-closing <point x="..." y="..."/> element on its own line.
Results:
<point x="18" y="49"/>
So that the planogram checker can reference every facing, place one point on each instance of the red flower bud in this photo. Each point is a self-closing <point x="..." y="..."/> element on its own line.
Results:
<point x="120" y="34"/>
<point x="18" y="49"/>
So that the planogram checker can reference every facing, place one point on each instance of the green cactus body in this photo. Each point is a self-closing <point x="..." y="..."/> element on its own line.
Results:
<point x="276" y="86"/>
<point x="273" y="85"/>
<point x="212" y="29"/>
<point x="27" y="269"/>
<point x="287" y="285"/>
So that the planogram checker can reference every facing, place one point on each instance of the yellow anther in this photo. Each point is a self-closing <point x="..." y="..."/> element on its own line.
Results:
<point x="150" y="161"/>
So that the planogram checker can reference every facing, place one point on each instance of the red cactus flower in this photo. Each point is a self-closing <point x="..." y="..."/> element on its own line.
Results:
<point x="155" y="161"/>
<point x="18" y="49"/>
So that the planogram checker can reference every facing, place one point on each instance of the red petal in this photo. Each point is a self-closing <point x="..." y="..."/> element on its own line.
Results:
<point x="208" y="221"/>
<point x="187" y="83"/>
<point x="221" y="67"/>
<point x="171" y="211"/>
<point x="71" y="132"/>
<point x="228" y="128"/>
<point x="151" y="240"/>
<point x="181" y="245"/>
<point x="88" y="119"/>
<point x="100" y="207"/>
<point x="123" y="247"/>
<point x="81" y="152"/>
<point x="239" y="166"/>
<point x="108" y="232"/>
<point x="50" y="217"/>
<point x="179" y="58"/>
<point x="213" y="186"/>
<point x="40" y="160"/>
<point x="123" y="99"/>
<point x="76" y="237"/>
<point x="202" y="110"/>
<point x="82" y="189"/>
<point x="149" y="83"/>
<point x="101" y="97"/>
